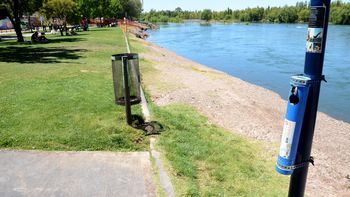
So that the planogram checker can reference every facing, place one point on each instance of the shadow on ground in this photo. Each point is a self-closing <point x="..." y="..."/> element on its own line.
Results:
<point x="8" y="40"/>
<point x="29" y="54"/>
<point x="66" y="39"/>
<point x="102" y="29"/>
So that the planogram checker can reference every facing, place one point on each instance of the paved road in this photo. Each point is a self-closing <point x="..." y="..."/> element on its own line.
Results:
<point x="32" y="173"/>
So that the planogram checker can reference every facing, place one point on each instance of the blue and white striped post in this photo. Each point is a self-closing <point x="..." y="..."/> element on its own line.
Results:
<point x="315" y="51"/>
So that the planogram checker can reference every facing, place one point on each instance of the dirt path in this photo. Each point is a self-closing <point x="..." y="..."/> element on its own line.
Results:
<point x="250" y="110"/>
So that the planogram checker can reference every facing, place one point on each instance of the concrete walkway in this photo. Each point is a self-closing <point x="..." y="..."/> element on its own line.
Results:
<point x="34" y="173"/>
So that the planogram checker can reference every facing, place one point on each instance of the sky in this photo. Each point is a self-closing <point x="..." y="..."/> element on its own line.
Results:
<point x="217" y="5"/>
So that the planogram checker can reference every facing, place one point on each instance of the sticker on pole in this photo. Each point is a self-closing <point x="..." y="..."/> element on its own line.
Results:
<point x="314" y="38"/>
<point x="287" y="138"/>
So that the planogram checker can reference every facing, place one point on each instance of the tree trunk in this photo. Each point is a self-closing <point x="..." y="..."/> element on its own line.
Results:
<point x="61" y="30"/>
<point x="16" y="22"/>
<point x="65" y="25"/>
<point x="18" y="30"/>
<point x="66" y="29"/>
<point x="29" y="24"/>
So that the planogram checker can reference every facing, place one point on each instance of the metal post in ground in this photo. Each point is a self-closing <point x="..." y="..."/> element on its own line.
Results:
<point x="126" y="90"/>
<point x="315" y="51"/>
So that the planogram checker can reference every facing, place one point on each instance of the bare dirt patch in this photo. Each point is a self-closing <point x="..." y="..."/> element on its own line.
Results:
<point x="251" y="111"/>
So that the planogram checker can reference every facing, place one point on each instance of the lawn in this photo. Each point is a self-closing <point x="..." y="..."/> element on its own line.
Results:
<point x="59" y="96"/>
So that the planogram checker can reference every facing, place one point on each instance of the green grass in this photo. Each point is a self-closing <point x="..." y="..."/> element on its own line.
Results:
<point x="59" y="96"/>
<point x="205" y="160"/>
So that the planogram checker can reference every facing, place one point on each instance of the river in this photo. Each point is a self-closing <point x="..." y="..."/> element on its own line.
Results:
<point x="265" y="55"/>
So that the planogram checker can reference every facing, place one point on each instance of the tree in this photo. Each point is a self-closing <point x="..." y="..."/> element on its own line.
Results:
<point x="15" y="9"/>
<point x="3" y="13"/>
<point x="86" y="7"/>
<point x="340" y="14"/>
<point x="32" y="7"/>
<point x="228" y="12"/>
<point x="288" y="15"/>
<point x="301" y="5"/>
<point x="303" y="15"/>
<point x="132" y="7"/>
<point x="272" y="15"/>
<point x="256" y="14"/>
<point x="101" y="9"/>
<point x="116" y="9"/>
<point x="178" y="10"/>
<point x="206" y="15"/>
<point x="109" y="8"/>
<point x="60" y="9"/>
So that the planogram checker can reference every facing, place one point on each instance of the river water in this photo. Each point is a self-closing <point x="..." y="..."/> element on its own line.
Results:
<point x="265" y="55"/>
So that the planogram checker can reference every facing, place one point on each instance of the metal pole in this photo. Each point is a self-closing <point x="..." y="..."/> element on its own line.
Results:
<point x="316" y="44"/>
<point x="126" y="90"/>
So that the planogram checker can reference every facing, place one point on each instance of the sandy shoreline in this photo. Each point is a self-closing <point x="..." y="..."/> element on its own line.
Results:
<point x="246" y="109"/>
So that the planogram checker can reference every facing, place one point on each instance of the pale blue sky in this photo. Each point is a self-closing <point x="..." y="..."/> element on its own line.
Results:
<point x="213" y="4"/>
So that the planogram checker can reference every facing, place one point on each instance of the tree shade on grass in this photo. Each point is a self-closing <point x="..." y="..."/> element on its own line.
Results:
<point x="59" y="96"/>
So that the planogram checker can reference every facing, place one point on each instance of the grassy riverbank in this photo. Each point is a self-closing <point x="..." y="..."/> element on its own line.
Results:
<point x="203" y="159"/>
<point x="59" y="96"/>
<point x="242" y="108"/>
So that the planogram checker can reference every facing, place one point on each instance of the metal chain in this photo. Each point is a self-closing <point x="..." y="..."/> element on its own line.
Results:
<point x="301" y="165"/>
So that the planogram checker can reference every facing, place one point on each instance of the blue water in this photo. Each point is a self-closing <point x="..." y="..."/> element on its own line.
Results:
<point x="266" y="55"/>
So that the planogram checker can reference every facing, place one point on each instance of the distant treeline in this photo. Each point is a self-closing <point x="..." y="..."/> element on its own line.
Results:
<point x="340" y="14"/>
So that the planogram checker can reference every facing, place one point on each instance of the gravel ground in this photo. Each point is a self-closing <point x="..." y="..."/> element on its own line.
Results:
<point x="251" y="111"/>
